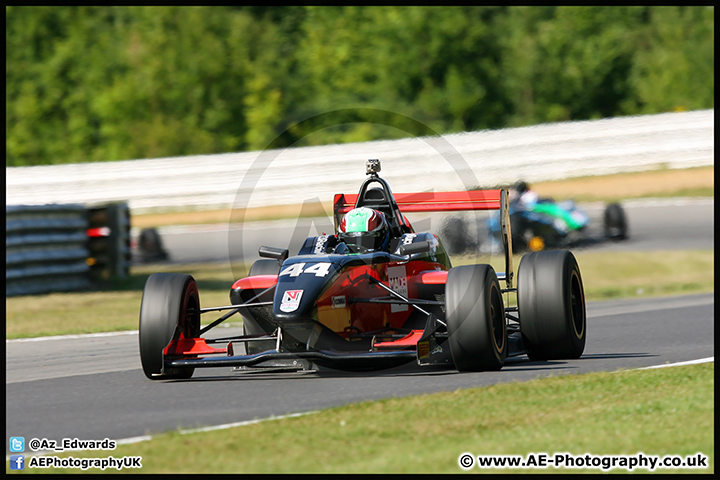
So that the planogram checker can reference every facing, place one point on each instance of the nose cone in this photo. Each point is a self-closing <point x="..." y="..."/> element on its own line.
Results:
<point x="300" y="283"/>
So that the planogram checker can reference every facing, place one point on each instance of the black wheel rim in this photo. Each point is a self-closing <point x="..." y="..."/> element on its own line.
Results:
<point x="190" y="315"/>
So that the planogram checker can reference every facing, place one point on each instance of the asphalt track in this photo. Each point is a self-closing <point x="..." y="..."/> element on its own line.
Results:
<point x="92" y="387"/>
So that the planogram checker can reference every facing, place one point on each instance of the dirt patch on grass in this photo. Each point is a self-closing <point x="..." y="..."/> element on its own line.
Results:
<point x="655" y="183"/>
<point x="227" y="215"/>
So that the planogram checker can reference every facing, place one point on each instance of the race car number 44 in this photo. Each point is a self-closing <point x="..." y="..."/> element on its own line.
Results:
<point x="319" y="269"/>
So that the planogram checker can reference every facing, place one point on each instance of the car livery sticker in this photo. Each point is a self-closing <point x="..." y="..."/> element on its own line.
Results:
<point x="398" y="282"/>
<point x="320" y="244"/>
<point x="423" y="349"/>
<point x="291" y="300"/>
<point x="408" y="238"/>
<point x="339" y="301"/>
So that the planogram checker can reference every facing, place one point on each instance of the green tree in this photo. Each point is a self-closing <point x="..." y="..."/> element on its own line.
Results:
<point x="108" y="83"/>
<point x="123" y="82"/>
<point x="568" y="63"/>
<point x="47" y="92"/>
<point x="274" y="87"/>
<point x="181" y="89"/>
<point x="437" y="65"/>
<point x="674" y="67"/>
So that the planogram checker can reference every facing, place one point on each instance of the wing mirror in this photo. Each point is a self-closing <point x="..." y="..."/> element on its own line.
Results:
<point x="279" y="254"/>
<point x="417" y="247"/>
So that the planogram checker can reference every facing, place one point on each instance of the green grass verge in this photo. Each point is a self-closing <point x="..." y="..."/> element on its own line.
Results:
<point x="613" y="275"/>
<point x="658" y="412"/>
<point x="606" y="275"/>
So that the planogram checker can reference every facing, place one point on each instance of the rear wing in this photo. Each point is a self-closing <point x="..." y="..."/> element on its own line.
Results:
<point x="445" y="202"/>
<point x="430" y="201"/>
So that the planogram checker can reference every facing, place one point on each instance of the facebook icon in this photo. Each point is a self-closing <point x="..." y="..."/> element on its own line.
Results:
<point x="17" y="462"/>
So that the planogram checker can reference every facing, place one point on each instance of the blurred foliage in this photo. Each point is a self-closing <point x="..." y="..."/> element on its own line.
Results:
<point x="98" y="83"/>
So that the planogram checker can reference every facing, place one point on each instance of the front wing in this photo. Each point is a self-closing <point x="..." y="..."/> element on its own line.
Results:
<point x="426" y="346"/>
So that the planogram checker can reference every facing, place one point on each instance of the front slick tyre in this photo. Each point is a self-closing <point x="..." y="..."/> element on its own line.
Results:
<point x="475" y="317"/>
<point x="170" y="308"/>
<point x="551" y="305"/>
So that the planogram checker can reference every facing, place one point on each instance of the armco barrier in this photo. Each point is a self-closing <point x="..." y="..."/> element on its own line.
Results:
<point x="295" y="175"/>
<point x="47" y="247"/>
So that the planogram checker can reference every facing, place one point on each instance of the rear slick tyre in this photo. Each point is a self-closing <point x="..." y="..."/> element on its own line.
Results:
<point x="170" y="307"/>
<point x="615" y="222"/>
<point x="551" y="305"/>
<point x="475" y="315"/>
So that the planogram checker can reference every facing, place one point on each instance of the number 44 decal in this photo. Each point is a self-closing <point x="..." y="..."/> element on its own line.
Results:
<point x="319" y="269"/>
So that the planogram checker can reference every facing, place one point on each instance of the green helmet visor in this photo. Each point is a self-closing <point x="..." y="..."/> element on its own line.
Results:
<point x="359" y="220"/>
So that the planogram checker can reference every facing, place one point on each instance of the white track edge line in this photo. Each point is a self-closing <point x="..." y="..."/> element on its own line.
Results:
<point x="679" y="364"/>
<point x="68" y="337"/>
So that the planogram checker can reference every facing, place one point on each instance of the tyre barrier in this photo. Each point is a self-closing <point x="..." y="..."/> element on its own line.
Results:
<point x="64" y="247"/>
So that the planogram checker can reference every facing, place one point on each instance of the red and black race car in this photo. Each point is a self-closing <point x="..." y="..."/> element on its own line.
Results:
<point x="374" y="295"/>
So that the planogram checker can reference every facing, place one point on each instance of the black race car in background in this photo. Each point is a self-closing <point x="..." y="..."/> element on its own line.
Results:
<point x="372" y="298"/>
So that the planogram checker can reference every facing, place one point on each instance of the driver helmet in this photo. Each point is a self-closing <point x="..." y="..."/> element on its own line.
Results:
<point x="522" y="196"/>
<point x="364" y="229"/>
<point x="520" y="187"/>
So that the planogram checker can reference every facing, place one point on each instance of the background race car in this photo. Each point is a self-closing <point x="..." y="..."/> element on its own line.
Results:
<point x="545" y="224"/>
